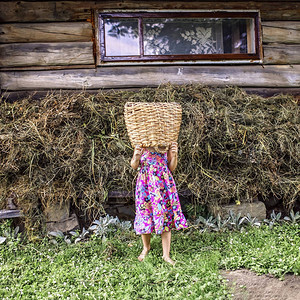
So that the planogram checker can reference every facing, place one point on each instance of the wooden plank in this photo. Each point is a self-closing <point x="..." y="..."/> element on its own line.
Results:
<point x="37" y="95"/>
<point x="23" y="11"/>
<point x="43" y="68"/>
<point x="281" y="32"/>
<point x="269" y="92"/>
<point x="281" y="54"/>
<point x="46" y="32"/>
<point x="10" y="213"/>
<point x="124" y="77"/>
<point x="46" y="54"/>
<point x="56" y="11"/>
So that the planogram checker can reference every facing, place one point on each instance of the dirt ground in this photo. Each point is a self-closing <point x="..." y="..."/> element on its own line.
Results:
<point x="249" y="286"/>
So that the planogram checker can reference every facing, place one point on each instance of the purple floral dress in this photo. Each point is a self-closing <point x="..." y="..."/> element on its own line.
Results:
<point x="157" y="203"/>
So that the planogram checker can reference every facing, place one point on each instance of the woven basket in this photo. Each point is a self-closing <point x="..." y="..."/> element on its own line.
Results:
<point x="154" y="124"/>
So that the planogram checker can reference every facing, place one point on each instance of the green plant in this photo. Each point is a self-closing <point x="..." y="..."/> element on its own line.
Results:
<point x="78" y="237"/>
<point x="56" y="236"/>
<point x="275" y="218"/>
<point x="252" y="221"/>
<point x="293" y="217"/>
<point x="221" y="225"/>
<point x="101" y="228"/>
<point x="107" y="225"/>
<point x="10" y="234"/>
<point x="205" y="224"/>
<point x="236" y="221"/>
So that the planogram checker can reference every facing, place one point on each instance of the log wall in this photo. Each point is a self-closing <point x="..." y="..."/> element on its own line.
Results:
<point x="51" y="45"/>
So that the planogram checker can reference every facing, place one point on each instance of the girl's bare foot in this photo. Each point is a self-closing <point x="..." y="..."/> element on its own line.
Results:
<point x="169" y="260"/>
<point x="143" y="254"/>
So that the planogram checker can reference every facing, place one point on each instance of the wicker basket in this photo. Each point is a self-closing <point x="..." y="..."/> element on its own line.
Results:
<point x="154" y="124"/>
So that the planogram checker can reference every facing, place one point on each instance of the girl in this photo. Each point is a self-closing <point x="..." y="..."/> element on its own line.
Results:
<point x="157" y="204"/>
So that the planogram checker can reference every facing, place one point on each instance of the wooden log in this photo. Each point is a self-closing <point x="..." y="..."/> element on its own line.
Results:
<point x="281" y="54"/>
<point x="44" y="68"/>
<point x="37" y="95"/>
<point x="46" y="32"/>
<point x="281" y="32"/>
<point x="45" y="54"/>
<point x="56" y="11"/>
<point x="269" y="92"/>
<point x="124" y="77"/>
<point x="10" y="213"/>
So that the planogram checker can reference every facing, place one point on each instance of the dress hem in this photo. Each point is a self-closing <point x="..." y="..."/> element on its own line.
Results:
<point x="170" y="229"/>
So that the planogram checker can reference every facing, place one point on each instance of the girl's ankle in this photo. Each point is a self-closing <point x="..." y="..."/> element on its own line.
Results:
<point x="143" y="254"/>
<point x="169" y="260"/>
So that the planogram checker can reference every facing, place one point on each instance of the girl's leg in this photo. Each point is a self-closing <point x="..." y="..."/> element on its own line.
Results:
<point x="166" y="245"/>
<point x="146" y="246"/>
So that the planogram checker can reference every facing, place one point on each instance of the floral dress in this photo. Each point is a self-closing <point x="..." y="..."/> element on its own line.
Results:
<point x="157" y="203"/>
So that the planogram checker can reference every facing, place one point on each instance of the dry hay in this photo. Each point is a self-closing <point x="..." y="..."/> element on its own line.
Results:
<point x="233" y="146"/>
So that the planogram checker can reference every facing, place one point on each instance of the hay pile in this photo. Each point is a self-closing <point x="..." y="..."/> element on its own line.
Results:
<point x="233" y="146"/>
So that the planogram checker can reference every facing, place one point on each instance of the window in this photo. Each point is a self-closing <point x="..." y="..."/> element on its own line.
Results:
<point x="184" y="36"/>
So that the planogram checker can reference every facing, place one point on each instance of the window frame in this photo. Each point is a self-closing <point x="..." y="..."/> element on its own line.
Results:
<point x="182" y="58"/>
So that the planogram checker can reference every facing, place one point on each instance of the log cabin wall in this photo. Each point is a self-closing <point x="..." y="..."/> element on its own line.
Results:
<point x="51" y="45"/>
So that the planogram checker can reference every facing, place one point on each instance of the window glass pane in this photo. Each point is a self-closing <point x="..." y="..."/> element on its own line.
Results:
<point x="197" y="36"/>
<point x="238" y="35"/>
<point x="121" y="37"/>
<point x="182" y="36"/>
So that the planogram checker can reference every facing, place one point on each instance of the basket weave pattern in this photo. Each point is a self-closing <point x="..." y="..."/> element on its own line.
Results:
<point x="154" y="124"/>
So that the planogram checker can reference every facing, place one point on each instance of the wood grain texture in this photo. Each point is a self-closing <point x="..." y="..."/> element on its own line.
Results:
<point x="46" y="54"/>
<point x="39" y="94"/>
<point x="281" y="54"/>
<point x="10" y="213"/>
<point x="46" y="32"/>
<point x="56" y="11"/>
<point x="284" y="32"/>
<point x="120" y="77"/>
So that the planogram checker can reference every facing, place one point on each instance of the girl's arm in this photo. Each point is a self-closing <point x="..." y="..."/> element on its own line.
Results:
<point x="135" y="161"/>
<point x="172" y="156"/>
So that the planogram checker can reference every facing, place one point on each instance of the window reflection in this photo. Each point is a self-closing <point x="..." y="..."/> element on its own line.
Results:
<point x="197" y="36"/>
<point x="238" y="35"/>
<point x="182" y="36"/>
<point x="121" y="37"/>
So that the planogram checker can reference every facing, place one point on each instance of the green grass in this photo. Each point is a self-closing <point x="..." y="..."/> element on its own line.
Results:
<point x="110" y="270"/>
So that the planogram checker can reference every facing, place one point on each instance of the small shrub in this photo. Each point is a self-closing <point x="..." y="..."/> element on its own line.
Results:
<point x="101" y="228"/>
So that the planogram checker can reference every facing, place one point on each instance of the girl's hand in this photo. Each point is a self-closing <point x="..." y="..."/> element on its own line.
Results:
<point x="173" y="151"/>
<point x="137" y="152"/>
<point x="172" y="156"/>
<point x="135" y="161"/>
